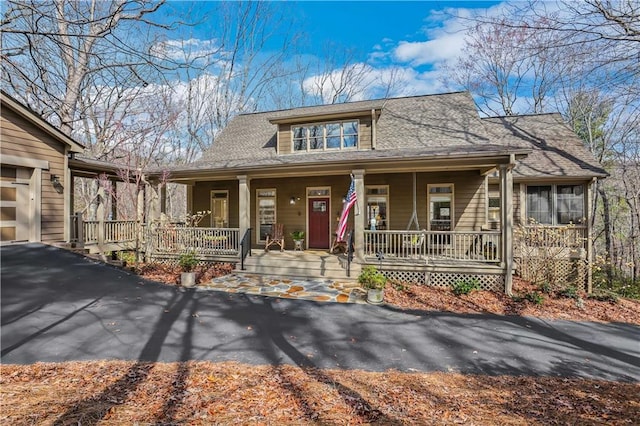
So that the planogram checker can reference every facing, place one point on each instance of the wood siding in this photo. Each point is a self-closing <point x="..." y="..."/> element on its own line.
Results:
<point x="469" y="198"/>
<point x="469" y="202"/>
<point x="202" y="200"/>
<point x="22" y="139"/>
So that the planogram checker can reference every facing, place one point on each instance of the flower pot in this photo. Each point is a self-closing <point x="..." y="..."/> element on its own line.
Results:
<point x="188" y="279"/>
<point x="375" y="296"/>
<point x="298" y="245"/>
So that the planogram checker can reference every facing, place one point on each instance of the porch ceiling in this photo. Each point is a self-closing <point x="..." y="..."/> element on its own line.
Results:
<point x="383" y="162"/>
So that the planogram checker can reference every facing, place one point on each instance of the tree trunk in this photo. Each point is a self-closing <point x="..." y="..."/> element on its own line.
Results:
<point x="606" y="222"/>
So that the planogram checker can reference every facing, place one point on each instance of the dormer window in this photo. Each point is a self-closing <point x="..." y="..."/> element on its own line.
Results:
<point x="325" y="136"/>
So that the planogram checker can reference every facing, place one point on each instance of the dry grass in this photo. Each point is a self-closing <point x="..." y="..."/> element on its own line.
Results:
<point x="204" y="393"/>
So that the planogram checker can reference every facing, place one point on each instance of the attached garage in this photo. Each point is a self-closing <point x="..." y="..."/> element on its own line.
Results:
<point x="35" y="181"/>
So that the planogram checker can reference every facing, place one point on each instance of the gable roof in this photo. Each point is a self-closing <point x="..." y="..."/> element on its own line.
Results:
<point x="432" y="125"/>
<point x="556" y="149"/>
<point x="35" y="119"/>
<point x="415" y="127"/>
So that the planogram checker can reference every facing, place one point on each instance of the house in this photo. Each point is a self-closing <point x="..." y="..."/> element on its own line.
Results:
<point x="36" y="185"/>
<point x="439" y="189"/>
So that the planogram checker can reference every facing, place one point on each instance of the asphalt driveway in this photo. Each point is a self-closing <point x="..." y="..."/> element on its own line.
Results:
<point x="59" y="306"/>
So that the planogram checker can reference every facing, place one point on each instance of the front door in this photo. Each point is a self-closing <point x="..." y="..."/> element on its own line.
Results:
<point x="319" y="222"/>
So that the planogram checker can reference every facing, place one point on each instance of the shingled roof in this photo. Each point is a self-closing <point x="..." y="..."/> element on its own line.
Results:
<point x="556" y="150"/>
<point x="411" y="127"/>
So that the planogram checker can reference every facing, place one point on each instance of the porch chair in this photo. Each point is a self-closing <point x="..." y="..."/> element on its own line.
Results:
<point x="275" y="237"/>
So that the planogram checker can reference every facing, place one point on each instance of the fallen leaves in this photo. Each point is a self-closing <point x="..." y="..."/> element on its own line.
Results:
<point x="422" y="297"/>
<point x="119" y="392"/>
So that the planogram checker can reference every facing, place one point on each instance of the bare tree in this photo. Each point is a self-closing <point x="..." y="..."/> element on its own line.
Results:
<point x="51" y="50"/>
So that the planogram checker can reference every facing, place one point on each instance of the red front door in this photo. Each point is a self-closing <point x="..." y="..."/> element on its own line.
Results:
<point x="319" y="222"/>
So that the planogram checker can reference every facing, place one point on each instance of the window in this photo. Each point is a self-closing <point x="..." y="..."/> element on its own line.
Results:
<point x="377" y="207"/>
<point x="440" y="199"/>
<point x="266" y="205"/>
<point x="555" y="204"/>
<point x="326" y="136"/>
<point x="493" y="203"/>
<point x="219" y="209"/>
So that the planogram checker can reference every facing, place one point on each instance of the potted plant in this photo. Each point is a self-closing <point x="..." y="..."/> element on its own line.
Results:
<point x="374" y="282"/>
<point x="187" y="262"/>
<point x="298" y="239"/>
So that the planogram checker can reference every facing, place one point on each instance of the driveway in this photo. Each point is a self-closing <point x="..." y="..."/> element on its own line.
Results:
<point x="59" y="306"/>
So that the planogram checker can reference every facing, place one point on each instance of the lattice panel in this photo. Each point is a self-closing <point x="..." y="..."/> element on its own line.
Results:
<point x="405" y="276"/>
<point x="173" y="261"/>
<point x="540" y="270"/>
<point x="491" y="282"/>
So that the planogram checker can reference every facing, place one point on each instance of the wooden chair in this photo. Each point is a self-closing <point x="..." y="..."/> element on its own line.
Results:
<point x="275" y="237"/>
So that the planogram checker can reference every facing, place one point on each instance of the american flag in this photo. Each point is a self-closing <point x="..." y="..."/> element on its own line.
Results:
<point x="350" y="201"/>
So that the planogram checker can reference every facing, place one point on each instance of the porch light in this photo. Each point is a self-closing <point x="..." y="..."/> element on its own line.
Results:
<point x="293" y="200"/>
<point x="55" y="182"/>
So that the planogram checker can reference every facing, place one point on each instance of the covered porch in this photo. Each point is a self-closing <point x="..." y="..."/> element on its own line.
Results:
<point x="423" y="217"/>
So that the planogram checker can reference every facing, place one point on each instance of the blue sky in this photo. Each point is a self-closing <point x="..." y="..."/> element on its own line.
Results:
<point x="410" y="39"/>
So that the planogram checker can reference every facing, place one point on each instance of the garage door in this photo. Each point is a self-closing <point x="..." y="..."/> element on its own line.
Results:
<point x="14" y="204"/>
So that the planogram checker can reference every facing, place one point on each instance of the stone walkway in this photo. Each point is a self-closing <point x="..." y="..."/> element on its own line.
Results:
<point x="316" y="289"/>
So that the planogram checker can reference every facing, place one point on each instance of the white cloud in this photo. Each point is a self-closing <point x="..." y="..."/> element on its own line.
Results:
<point x="187" y="50"/>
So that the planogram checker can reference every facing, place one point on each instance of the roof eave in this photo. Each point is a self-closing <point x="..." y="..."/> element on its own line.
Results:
<point x="39" y="122"/>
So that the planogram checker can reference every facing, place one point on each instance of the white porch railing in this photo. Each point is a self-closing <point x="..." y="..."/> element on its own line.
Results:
<point x="480" y="246"/>
<point x="203" y="241"/>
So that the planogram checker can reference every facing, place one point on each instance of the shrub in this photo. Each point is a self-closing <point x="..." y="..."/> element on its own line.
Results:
<point x="604" y="296"/>
<point x="188" y="261"/>
<point x="545" y="287"/>
<point x="534" y="297"/>
<point x="370" y="278"/>
<point x="569" y="292"/>
<point x="465" y="286"/>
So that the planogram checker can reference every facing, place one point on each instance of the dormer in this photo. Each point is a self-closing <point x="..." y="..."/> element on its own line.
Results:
<point x="327" y="131"/>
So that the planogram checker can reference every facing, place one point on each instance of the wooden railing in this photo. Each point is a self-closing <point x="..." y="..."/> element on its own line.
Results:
<point x="481" y="246"/>
<point x="569" y="236"/>
<point x="90" y="231"/>
<point x="203" y="241"/>
<point x="119" y="231"/>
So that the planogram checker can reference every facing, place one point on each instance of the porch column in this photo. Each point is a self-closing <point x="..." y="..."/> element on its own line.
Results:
<point x="359" y="216"/>
<point x="506" y="223"/>
<point x="190" y="198"/>
<point x="244" y="205"/>
<point x="100" y="213"/>
<point x="589" y="242"/>
<point x="114" y="200"/>
<point x="140" y="216"/>
<point x="155" y="203"/>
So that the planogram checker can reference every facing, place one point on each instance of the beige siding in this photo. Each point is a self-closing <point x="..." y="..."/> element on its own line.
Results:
<point x="468" y="187"/>
<point x="202" y="200"/>
<point x="21" y="139"/>
<point x="469" y="199"/>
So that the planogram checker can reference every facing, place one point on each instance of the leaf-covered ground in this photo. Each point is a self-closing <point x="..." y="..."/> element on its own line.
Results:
<point x="205" y="393"/>
<point x="553" y="306"/>
<point x="421" y="297"/>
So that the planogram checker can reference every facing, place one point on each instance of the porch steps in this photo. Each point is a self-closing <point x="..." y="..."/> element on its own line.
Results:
<point x="308" y="263"/>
